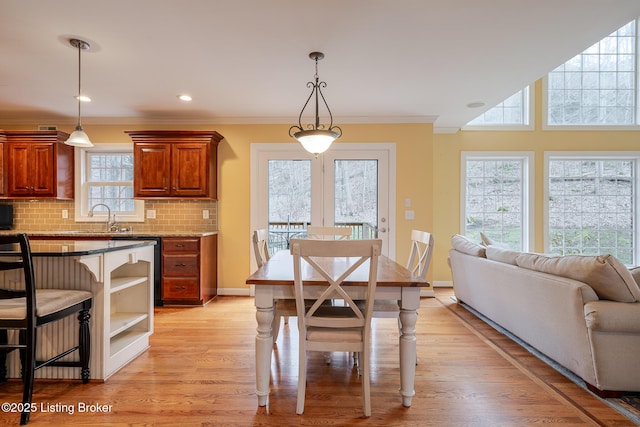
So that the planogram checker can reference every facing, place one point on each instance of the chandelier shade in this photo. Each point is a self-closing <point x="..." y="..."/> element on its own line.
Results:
<point x="78" y="137"/>
<point x="316" y="138"/>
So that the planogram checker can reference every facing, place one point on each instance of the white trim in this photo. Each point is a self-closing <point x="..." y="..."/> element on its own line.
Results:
<point x="81" y="211"/>
<point x="257" y="149"/>
<point x="528" y="174"/>
<point x="598" y="155"/>
<point x="529" y="112"/>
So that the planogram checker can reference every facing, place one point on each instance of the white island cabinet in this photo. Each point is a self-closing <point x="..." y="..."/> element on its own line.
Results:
<point x="120" y="276"/>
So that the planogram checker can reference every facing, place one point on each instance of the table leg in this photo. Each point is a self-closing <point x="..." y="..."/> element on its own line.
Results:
<point x="408" y="318"/>
<point x="264" y="345"/>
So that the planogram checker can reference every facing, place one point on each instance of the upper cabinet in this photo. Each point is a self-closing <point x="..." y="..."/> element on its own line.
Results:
<point x="175" y="163"/>
<point x="37" y="164"/>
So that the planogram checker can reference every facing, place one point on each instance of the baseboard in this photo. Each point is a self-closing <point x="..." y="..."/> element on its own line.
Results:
<point x="442" y="284"/>
<point x="234" y="292"/>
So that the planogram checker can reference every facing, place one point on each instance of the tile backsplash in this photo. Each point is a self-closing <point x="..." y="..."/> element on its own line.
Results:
<point x="171" y="215"/>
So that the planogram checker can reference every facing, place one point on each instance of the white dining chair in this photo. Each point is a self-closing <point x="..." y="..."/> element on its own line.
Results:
<point x="328" y="233"/>
<point x="282" y="308"/>
<point x="327" y="328"/>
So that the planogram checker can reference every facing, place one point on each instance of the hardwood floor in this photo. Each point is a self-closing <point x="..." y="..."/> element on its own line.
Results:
<point x="200" y="371"/>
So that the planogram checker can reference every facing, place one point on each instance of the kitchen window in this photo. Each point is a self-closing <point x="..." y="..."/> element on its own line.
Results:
<point x="104" y="175"/>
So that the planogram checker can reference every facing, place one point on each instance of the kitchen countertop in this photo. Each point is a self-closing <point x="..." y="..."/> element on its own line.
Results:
<point x="58" y="248"/>
<point x="71" y="234"/>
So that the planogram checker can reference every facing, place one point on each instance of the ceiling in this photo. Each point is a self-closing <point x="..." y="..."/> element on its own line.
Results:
<point x="246" y="61"/>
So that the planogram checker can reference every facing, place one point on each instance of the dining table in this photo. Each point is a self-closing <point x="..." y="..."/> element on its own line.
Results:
<point x="274" y="281"/>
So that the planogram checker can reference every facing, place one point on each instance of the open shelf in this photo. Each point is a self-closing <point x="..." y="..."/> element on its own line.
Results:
<point x="125" y="339"/>
<point x="121" y="283"/>
<point x="122" y="321"/>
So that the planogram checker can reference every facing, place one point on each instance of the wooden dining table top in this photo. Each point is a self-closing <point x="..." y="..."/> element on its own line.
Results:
<point x="278" y="270"/>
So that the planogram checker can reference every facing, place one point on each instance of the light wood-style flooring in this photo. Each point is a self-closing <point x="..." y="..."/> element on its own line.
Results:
<point x="200" y="372"/>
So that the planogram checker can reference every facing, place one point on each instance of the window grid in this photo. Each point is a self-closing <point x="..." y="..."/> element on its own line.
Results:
<point x="109" y="180"/>
<point x="598" y="86"/>
<point x="591" y="207"/>
<point x="495" y="200"/>
<point x="514" y="111"/>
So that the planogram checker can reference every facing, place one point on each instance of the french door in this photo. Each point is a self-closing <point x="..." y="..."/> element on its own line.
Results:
<point x="347" y="186"/>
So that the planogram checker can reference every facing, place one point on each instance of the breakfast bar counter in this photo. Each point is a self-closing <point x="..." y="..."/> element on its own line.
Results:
<point x="119" y="274"/>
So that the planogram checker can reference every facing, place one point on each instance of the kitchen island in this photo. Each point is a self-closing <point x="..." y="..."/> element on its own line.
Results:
<point x="119" y="274"/>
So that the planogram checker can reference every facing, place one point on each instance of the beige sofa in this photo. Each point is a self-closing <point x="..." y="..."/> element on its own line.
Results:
<point x="581" y="311"/>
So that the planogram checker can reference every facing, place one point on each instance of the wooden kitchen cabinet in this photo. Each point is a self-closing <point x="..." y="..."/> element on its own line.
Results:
<point x="38" y="165"/>
<point x="189" y="270"/>
<point x="175" y="164"/>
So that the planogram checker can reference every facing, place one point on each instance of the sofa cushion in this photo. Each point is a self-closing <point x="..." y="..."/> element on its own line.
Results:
<point x="500" y="254"/>
<point x="608" y="277"/>
<point x="464" y="245"/>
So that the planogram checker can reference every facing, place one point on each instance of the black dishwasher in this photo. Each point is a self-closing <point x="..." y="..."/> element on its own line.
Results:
<point x="157" y="264"/>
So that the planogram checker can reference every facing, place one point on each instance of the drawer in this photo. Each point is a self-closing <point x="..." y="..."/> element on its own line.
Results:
<point x="180" y="289"/>
<point x="180" y="245"/>
<point x="181" y="265"/>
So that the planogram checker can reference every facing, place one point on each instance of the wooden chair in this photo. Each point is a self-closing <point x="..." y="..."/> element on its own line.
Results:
<point x="328" y="328"/>
<point x="283" y="308"/>
<point x="420" y="255"/>
<point x="329" y="233"/>
<point x="27" y="309"/>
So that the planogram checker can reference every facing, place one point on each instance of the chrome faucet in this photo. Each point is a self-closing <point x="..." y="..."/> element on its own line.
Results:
<point x="111" y="225"/>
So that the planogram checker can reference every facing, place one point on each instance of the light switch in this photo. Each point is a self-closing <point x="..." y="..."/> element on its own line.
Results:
<point x="205" y="213"/>
<point x="65" y="213"/>
<point x="407" y="202"/>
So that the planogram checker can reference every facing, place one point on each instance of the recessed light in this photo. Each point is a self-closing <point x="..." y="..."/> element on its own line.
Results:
<point x="184" y="98"/>
<point x="83" y="98"/>
<point x="476" y="104"/>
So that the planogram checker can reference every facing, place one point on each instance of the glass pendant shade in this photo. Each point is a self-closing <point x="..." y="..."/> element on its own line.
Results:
<point x="316" y="141"/>
<point x="316" y="138"/>
<point x="79" y="138"/>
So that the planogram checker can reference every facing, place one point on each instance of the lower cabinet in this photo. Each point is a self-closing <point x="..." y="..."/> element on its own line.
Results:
<point x="189" y="270"/>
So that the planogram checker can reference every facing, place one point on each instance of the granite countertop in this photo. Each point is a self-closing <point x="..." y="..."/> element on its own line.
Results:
<point x="71" y="234"/>
<point x="62" y="248"/>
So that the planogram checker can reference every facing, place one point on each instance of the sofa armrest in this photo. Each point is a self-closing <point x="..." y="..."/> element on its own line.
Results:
<point x="611" y="316"/>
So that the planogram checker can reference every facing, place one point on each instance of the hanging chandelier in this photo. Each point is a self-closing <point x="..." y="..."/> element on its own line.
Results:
<point x="78" y="137"/>
<point x="317" y="137"/>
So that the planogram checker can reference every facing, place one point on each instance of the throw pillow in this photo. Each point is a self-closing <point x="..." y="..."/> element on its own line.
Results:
<point x="500" y="254"/>
<point x="608" y="277"/>
<point x="464" y="245"/>
<point x="487" y="241"/>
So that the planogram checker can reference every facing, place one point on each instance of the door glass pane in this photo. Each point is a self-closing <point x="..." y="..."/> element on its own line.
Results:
<point x="289" y="200"/>
<point x="356" y="196"/>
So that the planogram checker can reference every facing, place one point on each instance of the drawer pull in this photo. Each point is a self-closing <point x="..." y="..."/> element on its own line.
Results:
<point x="181" y="264"/>
<point x="179" y="245"/>
<point x="181" y="287"/>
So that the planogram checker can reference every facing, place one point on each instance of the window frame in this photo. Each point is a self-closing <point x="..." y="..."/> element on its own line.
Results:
<point x="529" y="113"/>
<point x="81" y="185"/>
<point x="595" y="127"/>
<point x="595" y="155"/>
<point x="528" y="188"/>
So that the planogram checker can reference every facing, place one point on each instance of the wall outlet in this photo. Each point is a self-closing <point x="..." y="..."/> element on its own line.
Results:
<point x="65" y="213"/>
<point x="205" y="213"/>
<point x="408" y="215"/>
<point x="151" y="214"/>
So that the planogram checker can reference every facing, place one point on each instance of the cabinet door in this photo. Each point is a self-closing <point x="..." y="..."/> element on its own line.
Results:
<point x="189" y="171"/>
<point x="19" y="183"/>
<point x="151" y="167"/>
<point x="42" y="169"/>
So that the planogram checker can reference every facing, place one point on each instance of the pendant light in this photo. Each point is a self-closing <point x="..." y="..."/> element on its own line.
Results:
<point x="317" y="138"/>
<point x="78" y="137"/>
